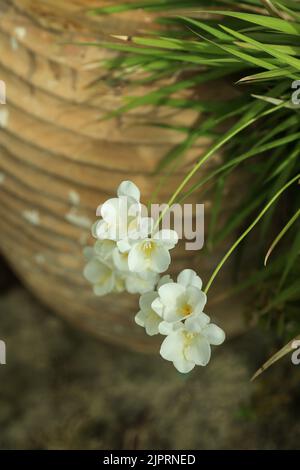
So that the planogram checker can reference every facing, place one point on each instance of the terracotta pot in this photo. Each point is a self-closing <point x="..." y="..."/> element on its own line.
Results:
<point x="58" y="161"/>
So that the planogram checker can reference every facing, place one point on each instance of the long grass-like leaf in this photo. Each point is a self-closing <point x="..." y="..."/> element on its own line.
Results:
<point x="248" y="230"/>
<point x="281" y="234"/>
<point x="288" y="348"/>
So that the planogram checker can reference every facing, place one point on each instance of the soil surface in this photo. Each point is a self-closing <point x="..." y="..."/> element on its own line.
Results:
<point x="62" y="389"/>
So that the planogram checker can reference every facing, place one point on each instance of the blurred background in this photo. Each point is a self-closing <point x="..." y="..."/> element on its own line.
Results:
<point x="62" y="389"/>
<point x="80" y="374"/>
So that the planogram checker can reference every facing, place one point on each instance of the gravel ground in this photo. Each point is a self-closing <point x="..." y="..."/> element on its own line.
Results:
<point x="62" y="389"/>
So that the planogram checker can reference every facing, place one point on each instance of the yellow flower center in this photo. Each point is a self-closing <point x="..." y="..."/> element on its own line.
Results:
<point x="186" y="310"/>
<point x="148" y="247"/>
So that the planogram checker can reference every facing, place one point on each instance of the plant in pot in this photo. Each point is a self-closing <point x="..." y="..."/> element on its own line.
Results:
<point x="254" y="47"/>
<point x="59" y="159"/>
<point x="205" y="81"/>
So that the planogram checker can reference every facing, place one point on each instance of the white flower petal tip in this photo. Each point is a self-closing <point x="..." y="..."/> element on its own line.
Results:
<point x="124" y="245"/>
<point x="188" y="277"/>
<point x="140" y="283"/>
<point x="146" y="317"/>
<point x="129" y="189"/>
<point x="214" y="334"/>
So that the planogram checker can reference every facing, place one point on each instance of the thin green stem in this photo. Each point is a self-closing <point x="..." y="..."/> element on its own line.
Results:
<point x="281" y="234"/>
<point x="244" y="234"/>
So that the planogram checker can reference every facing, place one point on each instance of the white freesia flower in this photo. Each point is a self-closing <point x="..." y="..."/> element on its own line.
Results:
<point x="189" y="344"/>
<point x="188" y="277"/>
<point x="103" y="277"/>
<point x="147" y="317"/>
<point x="100" y="270"/>
<point x="122" y="216"/>
<point x="179" y="300"/>
<point x="127" y="255"/>
<point x="104" y="249"/>
<point x="135" y="283"/>
<point x="129" y="189"/>
<point x="152" y="254"/>
<point x="140" y="283"/>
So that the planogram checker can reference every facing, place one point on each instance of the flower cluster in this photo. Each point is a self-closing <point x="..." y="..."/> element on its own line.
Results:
<point x="128" y="254"/>
<point x="176" y="311"/>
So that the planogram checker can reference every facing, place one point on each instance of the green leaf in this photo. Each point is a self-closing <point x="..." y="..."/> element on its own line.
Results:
<point x="269" y="75"/>
<point x="248" y="230"/>
<point x="281" y="235"/>
<point x="269" y="22"/>
<point x="288" y="348"/>
<point x="272" y="50"/>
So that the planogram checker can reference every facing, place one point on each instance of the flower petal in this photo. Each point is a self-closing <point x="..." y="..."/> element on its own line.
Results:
<point x="120" y="260"/>
<point x="104" y="248"/>
<point x="94" y="270"/>
<point x="119" y="284"/>
<point x="110" y="210"/>
<point x="172" y="346"/>
<point x="169" y="238"/>
<point x="214" y="334"/>
<point x="188" y="277"/>
<point x="183" y="365"/>
<point x="129" y="189"/>
<point x="152" y="324"/>
<point x="140" y="318"/>
<point x="105" y="287"/>
<point x="137" y="260"/>
<point x="144" y="226"/>
<point x="160" y="259"/>
<point x="169" y="293"/>
<point x="101" y="230"/>
<point x="196" y="298"/>
<point x="199" y="351"/>
<point x="158" y="307"/>
<point x="94" y="228"/>
<point x="197" y="322"/>
<point x="124" y="245"/>
<point x="138" y="284"/>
